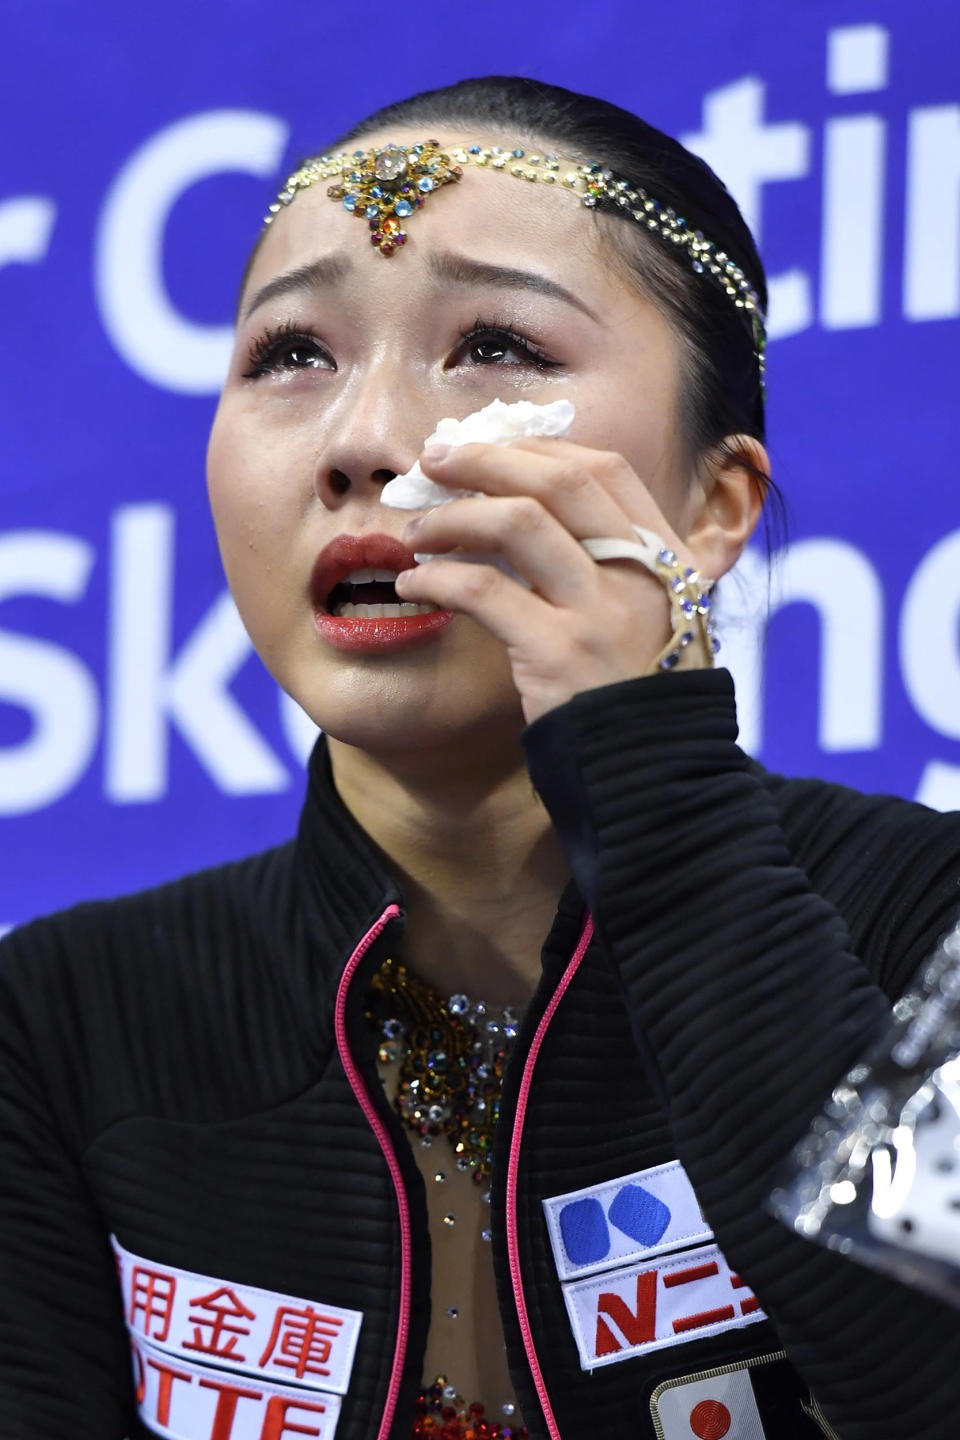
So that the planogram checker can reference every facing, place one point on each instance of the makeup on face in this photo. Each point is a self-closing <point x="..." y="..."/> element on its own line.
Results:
<point x="356" y="607"/>
<point x="345" y="364"/>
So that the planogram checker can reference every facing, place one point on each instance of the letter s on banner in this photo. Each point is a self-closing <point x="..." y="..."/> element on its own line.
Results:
<point x="157" y="342"/>
<point x="53" y="685"/>
<point x="151" y="690"/>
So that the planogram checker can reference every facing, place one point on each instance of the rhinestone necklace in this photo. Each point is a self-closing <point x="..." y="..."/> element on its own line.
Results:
<point x="452" y="1056"/>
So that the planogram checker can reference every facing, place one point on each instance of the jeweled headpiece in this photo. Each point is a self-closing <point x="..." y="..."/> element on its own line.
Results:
<point x="383" y="187"/>
<point x="386" y="186"/>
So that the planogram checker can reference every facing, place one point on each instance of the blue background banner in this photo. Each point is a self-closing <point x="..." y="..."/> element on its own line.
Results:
<point x="139" y="735"/>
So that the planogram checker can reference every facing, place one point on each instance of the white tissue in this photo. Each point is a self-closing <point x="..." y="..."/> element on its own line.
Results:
<point x="496" y="424"/>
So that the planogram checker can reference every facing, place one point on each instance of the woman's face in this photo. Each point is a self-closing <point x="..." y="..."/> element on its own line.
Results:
<point x="338" y="375"/>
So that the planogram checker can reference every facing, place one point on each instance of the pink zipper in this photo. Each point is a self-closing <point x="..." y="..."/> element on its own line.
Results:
<point x="513" y="1250"/>
<point x="353" y="1075"/>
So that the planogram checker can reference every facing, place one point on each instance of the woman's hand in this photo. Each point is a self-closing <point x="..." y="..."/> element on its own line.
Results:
<point x="582" y="624"/>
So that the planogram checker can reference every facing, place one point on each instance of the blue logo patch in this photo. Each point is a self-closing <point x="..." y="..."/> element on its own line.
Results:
<point x="639" y="1214"/>
<point x="629" y="1218"/>
<point x="583" y="1226"/>
<point x="635" y="1211"/>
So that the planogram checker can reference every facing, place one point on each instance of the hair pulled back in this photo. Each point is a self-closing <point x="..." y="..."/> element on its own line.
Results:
<point x="722" y="394"/>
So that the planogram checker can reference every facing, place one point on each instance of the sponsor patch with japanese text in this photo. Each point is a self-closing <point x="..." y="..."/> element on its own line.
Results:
<point x="641" y="1308"/>
<point x="289" y="1360"/>
<point x="634" y="1271"/>
<point x="184" y="1401"/>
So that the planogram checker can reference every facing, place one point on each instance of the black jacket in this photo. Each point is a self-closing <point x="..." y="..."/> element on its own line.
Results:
<point x="189" y="1070"/>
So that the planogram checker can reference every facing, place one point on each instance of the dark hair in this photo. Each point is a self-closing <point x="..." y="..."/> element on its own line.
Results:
<point x="723" y="395"/>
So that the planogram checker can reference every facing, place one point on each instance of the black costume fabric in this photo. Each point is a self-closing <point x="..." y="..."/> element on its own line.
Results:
<point x="169" y="1074"/>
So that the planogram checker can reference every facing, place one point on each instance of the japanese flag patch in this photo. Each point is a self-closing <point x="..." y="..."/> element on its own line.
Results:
<point x="721" y="1407"/>
<point x="761" y="1398"/>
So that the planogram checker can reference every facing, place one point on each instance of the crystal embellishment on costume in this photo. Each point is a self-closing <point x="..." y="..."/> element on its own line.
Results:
<point x="452" y="1056"/>
<point x="443" y="1414"/>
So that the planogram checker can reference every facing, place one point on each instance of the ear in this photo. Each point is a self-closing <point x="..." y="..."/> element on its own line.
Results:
<point x="731" y="487"/>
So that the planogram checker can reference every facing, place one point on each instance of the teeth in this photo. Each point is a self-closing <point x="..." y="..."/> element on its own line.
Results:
<point x="367" y="577"/>
<point x="384" y="612"/>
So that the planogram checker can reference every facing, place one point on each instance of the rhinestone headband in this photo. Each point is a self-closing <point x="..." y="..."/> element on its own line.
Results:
<point x="386" y="186"/>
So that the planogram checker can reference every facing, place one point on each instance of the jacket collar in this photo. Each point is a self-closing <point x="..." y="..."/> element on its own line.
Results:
<point x="345" y="886"/>
<point x="343" y="883"/>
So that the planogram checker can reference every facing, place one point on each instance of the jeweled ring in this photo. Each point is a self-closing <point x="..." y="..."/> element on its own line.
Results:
<point x="688" y="591"/>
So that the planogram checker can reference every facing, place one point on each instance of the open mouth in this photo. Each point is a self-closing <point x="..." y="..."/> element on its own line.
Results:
<point x="371" y="594"/>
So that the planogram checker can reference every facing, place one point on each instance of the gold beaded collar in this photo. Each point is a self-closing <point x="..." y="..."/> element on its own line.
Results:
<point x="386" y="186"/>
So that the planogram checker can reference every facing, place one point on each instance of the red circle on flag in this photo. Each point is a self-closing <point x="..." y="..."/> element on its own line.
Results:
<point x="710" y="1420"/>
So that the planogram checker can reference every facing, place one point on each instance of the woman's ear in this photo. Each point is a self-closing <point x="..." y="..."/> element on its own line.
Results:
<point x="732" y="483"/>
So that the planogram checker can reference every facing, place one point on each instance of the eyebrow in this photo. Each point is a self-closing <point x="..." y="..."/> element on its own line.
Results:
<point x="318" y="275"/>
<point x="459" y="270"/>
<point x="446" y="266"/>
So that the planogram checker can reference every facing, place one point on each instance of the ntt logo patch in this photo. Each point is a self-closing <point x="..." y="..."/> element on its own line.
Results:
<point x="637" y="1268"/>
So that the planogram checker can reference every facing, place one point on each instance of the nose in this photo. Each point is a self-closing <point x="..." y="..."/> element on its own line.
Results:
<point x="372" y="435"/>
<point x="337" y="483"/>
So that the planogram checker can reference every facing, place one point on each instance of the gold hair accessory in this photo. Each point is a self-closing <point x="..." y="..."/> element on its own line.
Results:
<point x="693" y="643"/>
<point x="385" y="186"/>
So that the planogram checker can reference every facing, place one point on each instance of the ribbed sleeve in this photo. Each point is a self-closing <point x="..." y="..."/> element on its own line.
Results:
<point x="749" y="1002"/>
<point x="64" y="1353"/>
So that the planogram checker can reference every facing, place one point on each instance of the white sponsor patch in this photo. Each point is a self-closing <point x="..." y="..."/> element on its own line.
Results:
<point x="211" y="1322"/>
<point x="184" y="1401"/>
<point x="721" y="1407"/>
<point x="666" y="1301"/>
<point x="632" y="1218"/>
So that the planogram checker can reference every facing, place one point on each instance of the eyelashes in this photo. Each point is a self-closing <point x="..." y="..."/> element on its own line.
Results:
<point x="500" y="337"/>
<point x="287" y="348"/>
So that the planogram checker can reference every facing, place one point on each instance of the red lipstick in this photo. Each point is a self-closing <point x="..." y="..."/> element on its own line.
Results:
<point x="359" y="633"/>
